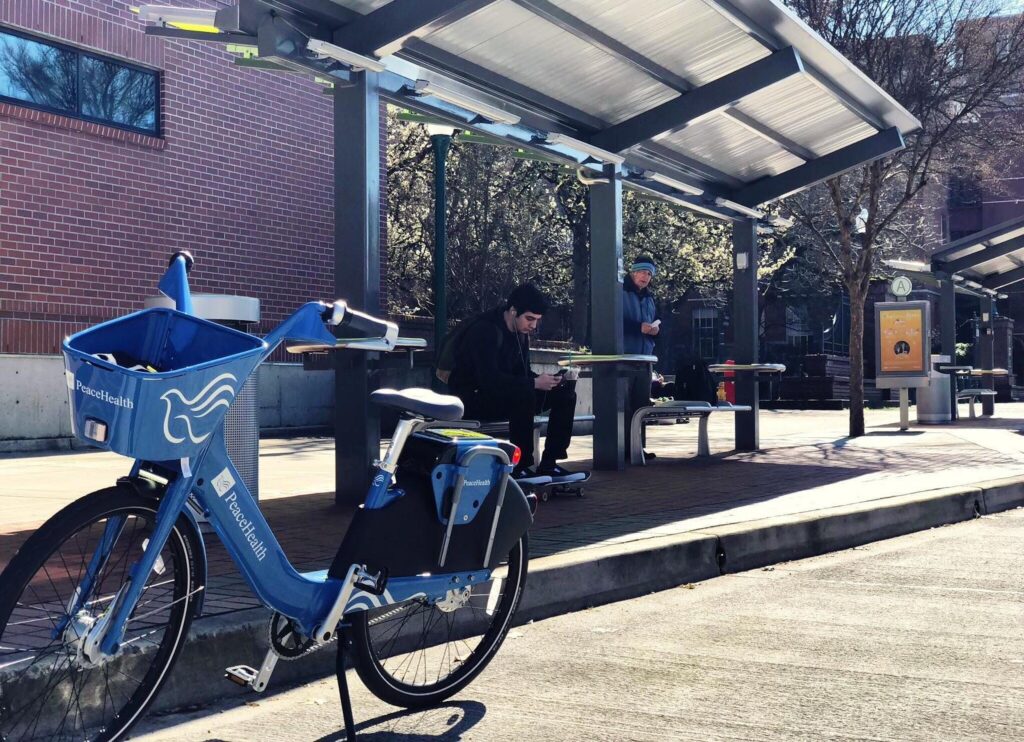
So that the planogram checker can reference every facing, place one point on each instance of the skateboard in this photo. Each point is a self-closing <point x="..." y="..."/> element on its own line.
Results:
<point x="570" y="485"/>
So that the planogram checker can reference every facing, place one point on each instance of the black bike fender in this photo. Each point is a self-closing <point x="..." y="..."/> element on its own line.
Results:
<point x="199" y="560"/>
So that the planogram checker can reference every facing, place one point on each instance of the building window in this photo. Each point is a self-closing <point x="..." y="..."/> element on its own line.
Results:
<point x="705" y="334"/>
<point x="60" y="79"/>
<point x="835" y="338"/>
<point x="798" y="328"/>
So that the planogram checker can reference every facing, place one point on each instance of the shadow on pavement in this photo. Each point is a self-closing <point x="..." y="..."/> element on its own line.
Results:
<point x="419" y="724"/>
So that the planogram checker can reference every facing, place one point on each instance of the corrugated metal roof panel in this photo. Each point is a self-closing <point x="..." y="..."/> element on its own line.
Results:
<point x="685" y="36"/>
<point x="511" y="41"/>
<point x="728" y="146"/>
<point x="998" y="265"/>
<point x="799" y="109"/>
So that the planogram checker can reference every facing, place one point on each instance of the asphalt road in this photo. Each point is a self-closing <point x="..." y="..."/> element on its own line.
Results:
<point x="917" y="638"/>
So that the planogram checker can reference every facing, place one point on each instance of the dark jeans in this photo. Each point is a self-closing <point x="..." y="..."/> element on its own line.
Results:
<point x="638" y="394"/>
<point x="519" y="407"/>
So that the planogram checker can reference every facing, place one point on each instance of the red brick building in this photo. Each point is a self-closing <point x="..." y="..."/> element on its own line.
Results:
<point x="235" y="166"/>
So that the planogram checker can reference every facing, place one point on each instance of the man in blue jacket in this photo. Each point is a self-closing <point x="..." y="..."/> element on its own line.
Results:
<point x="640" y="325"/>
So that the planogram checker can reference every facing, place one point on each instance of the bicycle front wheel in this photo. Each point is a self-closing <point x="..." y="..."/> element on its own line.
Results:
<point x="59" y="584"/>
<point x="417" y="653"/>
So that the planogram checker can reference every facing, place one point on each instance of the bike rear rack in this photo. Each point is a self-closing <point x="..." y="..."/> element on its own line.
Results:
<point x="460" y="483"/>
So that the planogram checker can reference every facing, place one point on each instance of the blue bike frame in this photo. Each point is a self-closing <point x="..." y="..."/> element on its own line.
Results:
<point x="212" y="480"/>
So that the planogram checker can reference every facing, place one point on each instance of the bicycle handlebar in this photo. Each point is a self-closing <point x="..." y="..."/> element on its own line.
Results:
<point x="374" y="333"/>
<point x="365" y="324"/>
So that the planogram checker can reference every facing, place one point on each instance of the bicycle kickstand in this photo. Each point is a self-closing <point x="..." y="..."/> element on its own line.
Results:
<point x="346" y="699"/>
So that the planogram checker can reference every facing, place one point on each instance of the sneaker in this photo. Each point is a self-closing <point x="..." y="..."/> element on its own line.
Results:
<point x="554" y="471"/>
<point x="523" y="472"/>
<point x="648" y="455"/>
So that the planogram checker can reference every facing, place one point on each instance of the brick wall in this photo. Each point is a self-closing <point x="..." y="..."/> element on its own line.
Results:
<point x="242" y="176"/>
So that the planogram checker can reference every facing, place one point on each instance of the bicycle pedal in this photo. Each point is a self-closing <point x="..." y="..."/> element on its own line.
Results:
<point x="378" y="584"/>
<point x="242" y="675"/>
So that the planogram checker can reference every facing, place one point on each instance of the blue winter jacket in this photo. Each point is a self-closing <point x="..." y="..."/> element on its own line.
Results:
<point x="637" y="307"/>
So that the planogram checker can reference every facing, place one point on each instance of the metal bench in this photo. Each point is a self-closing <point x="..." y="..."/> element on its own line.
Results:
<point x="500" y="427"/>
<point x="672" y="412"/>
<point x="972" y="396"/>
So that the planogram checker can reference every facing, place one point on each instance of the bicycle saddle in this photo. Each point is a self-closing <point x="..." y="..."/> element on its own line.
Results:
<point x="421" y="402"/>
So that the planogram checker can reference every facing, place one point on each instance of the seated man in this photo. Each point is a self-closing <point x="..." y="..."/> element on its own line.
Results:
<point x="492" y="376"/>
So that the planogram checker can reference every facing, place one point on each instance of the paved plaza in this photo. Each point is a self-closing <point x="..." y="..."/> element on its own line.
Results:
<point x="806" y="466"/>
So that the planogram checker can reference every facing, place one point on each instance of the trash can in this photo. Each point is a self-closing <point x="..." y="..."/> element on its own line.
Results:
<point x="933" y="401"/>
<point x="242" y="422"/>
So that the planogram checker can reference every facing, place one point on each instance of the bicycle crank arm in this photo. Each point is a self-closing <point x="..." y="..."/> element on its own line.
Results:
<point x="249" y="677"/>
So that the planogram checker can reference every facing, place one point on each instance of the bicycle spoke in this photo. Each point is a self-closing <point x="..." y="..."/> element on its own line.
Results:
<point x="60" y="698"/>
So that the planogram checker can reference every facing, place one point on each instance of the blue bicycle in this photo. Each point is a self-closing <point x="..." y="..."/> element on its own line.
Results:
<point x="96" y="605"/>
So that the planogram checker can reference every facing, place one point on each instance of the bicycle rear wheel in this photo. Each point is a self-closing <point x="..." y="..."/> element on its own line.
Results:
<point x="48" y="688"/>
<point x="417" y="653"/>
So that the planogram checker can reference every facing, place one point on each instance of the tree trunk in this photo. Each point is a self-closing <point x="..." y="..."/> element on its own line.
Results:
<point x="856" y="361"/>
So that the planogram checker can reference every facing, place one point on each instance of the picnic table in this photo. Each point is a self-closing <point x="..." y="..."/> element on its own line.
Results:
<point x="589" y="359"/>
<point x="401" y="344"/>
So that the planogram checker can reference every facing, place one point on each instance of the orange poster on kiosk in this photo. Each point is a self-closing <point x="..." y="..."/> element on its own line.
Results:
<point x="902" y="340"/>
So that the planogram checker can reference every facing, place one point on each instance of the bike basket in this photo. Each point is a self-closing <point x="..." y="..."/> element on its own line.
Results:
<point x="165" y="402"/>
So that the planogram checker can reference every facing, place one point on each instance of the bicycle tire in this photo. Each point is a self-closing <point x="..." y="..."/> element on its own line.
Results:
<point x="46" y="692"/>
<point x="380" y="636"/>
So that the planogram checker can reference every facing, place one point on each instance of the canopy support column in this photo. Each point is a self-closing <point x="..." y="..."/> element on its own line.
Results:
<point x="947" y="318"/>
<point x="986" y="350"/>
<point x="947" y="322"/>
<point x="606" y="320"/>
<point x="745" y="329"/>
<point x="441" y="144"/>
<point x="356" y="278"/>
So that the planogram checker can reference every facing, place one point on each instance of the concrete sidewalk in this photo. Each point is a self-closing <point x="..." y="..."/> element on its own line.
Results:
<point x="679" y="519"/>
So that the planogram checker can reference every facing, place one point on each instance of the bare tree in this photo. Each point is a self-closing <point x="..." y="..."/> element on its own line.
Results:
<point x="955" y="65"/>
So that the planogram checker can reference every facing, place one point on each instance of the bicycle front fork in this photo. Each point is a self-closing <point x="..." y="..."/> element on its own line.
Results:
<point x="107" y="633"/>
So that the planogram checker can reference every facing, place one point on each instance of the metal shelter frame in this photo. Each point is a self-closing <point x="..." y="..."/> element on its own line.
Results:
<point x="983" y="264"/>
<point x="718" y="106"/>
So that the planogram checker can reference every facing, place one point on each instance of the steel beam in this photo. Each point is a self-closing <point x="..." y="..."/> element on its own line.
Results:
<point x="825" y="167"/>
<point x="763" y="131"/>
<point x="586" y="32"/>
<point x="745" y="327"/>
<point x="1002" y="280"/>
<point x="168" y="32"/>
<point x="952" y="250"/>
<point x="678" y="159"/>
<point x="986" y="253"/>
<point x="569" y="120"/>
<point x="593" y="36"/>
<point x="278" y="40"/>
<point x="325" y="12"/>
<point x="707" y="99"/>
<point x="610" y="432"/>
<point x="357" y="214"/>
<point x="385" y="30"/>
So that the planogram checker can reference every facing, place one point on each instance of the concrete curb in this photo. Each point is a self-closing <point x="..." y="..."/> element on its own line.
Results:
<point x="606" y="573"/>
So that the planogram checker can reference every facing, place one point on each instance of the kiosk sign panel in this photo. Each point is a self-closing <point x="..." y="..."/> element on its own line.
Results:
<point x="902" y="341"/>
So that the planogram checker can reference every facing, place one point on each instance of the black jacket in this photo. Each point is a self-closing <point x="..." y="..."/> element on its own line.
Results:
<point x="490" y="359"/>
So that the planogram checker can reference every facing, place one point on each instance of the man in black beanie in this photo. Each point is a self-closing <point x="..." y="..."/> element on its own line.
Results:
<point x="493" y="378"/>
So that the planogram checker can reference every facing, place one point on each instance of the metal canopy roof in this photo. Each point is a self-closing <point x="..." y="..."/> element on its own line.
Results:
<point x="993" y="257"/>
<point x="719" y="105"/>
